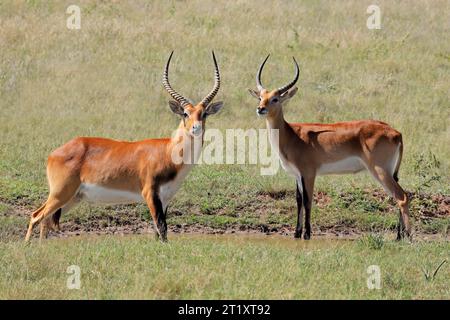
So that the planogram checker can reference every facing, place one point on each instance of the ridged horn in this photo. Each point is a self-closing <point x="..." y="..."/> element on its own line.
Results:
<point x="207" y="100"/>
<point x="175" y="95"/>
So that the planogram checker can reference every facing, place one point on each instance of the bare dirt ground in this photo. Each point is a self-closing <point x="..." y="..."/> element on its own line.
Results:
<point x="123" y="223"/>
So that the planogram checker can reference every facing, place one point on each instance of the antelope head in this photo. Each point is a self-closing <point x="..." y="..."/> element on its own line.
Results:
<point x="270" y="102"/>
<point x="193" y="115"/>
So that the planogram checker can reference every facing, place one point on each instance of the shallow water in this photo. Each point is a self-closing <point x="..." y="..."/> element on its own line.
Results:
<point x="233" y="238"/>
<point x="319" y="240"/>
<point x="262" y="239"/>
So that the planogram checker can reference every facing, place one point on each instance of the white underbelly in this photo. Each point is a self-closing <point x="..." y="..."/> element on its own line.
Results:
<point x="98" y="194"/>
<point x="347" y="165"/>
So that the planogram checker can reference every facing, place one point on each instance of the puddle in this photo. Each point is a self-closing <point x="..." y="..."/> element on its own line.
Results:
<point x="241" y="239"/>
<point x="262" y="239"/>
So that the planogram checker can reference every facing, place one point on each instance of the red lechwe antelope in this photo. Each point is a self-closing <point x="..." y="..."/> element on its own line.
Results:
<point x="108" y="171"/>
<point x="310" y="149"/>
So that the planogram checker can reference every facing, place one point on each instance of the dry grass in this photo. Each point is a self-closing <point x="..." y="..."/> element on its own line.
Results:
<point x="199" y="267"/>
<point x="105" y="80"/>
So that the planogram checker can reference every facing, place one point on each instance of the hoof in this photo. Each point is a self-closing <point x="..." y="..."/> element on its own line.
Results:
<point x="404" y="235"/>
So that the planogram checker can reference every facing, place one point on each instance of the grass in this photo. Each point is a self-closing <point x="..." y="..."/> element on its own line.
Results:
<point x="105" y="80"/>
<point x="373" y="241"/>
<point x="208" y="267"/>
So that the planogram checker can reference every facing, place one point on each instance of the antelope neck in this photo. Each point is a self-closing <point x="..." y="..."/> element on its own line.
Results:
<point x="276" y="121"/>
<point x="189" y="146"/>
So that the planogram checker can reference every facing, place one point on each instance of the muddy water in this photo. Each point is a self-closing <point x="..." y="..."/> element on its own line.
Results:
<point x="245" y="238"/>
<point x="235" y="238"/>
<point x="262" y="239"/>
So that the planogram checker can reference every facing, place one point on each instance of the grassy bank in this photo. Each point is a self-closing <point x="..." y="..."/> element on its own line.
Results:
<point x="345" y="214"/>
<point x="207" y="267"/>
<point x="105" y="80"/>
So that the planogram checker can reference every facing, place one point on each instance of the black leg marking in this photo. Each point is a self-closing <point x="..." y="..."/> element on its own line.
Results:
<point x="395" y="176"/>
<point x="55" y="218"/>
<point x="161" y="224"/>
<point x="299" y="227"/>
<point x="401" y="230"/>
<point x="307" y="205"/>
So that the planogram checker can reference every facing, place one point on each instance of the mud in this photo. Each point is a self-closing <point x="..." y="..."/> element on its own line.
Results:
<point x="124" y="220"/>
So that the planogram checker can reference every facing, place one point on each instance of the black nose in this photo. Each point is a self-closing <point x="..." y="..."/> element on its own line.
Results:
<point x="260" y="110"/>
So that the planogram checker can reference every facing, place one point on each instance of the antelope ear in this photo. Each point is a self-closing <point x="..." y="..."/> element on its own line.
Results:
<point x="290" y="93"/>
<point x="213" y="108"/>
<point x="176" y="107"/>
<point x="254" y="93"/>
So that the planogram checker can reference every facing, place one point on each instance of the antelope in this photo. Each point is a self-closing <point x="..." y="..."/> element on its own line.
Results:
<point x="310" y="149"/>
<point x="100" y="170"/>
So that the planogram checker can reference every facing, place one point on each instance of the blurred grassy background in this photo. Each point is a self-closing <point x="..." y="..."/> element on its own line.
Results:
<point x="105" y="80"/>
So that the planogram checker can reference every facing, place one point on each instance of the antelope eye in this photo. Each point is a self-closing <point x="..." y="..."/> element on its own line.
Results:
<point x="275" y="100"/>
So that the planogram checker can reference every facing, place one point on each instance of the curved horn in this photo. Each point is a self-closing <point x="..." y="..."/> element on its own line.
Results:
<point x="175" y="95"/>
<point x="214" y="91"/>
<point x="258" y="75"/>
<point x="291" y="84"/>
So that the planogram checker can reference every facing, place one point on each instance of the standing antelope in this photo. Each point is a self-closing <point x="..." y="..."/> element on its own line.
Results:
<point x="108" y="171"/>
<point x="310" y="149"/>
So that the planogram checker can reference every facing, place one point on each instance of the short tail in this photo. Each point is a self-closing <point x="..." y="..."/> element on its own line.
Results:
<point x="38" y="211"/>
<point x="54" y="219"/>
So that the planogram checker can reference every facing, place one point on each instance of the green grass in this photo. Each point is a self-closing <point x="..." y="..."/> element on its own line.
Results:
<point x="232" y="267"/>
<point x="105" y="80"/>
